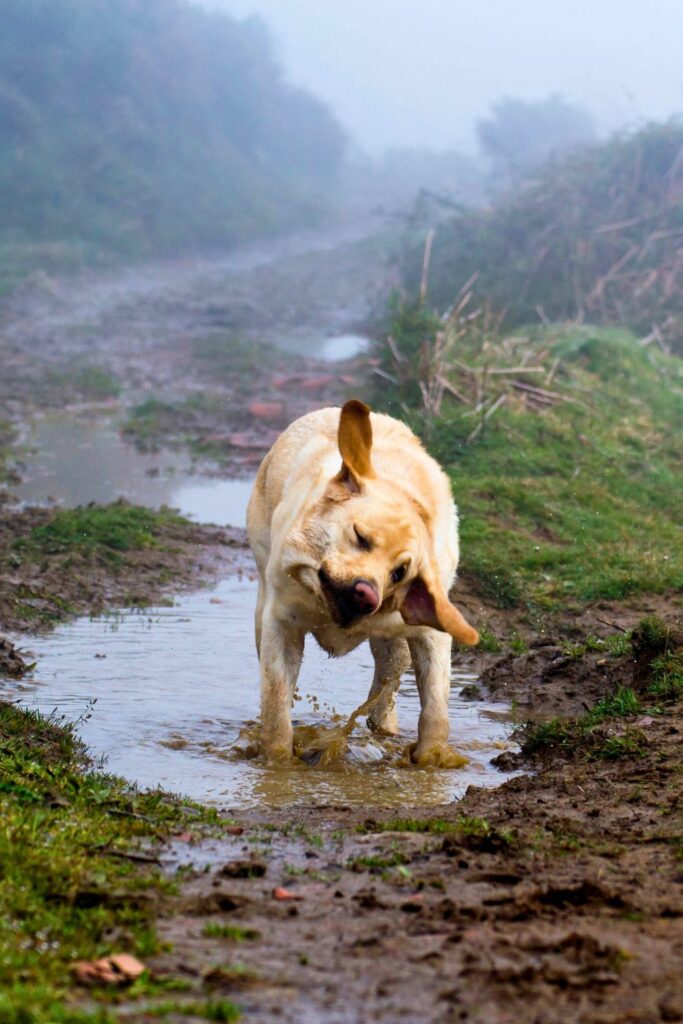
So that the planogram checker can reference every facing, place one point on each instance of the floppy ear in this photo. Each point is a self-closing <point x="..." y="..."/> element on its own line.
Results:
<point x="355" y="445"/>
<point x="427" y="604"/>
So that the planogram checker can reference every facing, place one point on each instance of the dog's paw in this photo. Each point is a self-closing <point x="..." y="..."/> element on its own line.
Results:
<point x="438" y="755"/>
<point x="277" y="754"/>
<point x="384" y="725"/>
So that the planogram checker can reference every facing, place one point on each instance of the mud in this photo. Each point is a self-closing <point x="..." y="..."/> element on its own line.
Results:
<point x="557" y="897"/>
<point x="230" y="350"/>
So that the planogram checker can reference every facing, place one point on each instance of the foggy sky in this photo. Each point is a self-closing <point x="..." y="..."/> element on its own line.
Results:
<point x="420" y="72"/>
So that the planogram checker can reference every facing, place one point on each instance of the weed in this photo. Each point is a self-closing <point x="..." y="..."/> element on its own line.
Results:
<point x="518" y="644"/>
<point x="666" y="681"/>
<point x="488" y="641"/>
<point x="215" y="1009"/>
<point x="377" y="862"/>
<point x="628" y="745"/>
<point x="624" y="702"/>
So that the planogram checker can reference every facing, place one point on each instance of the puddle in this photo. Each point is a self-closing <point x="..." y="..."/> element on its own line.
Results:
<point x="173" y="687"/>
<point x="329" y="350"/>
<point x="344" y="346"/>
<point x="77" y="459"/>
<point x="162" y="695"/>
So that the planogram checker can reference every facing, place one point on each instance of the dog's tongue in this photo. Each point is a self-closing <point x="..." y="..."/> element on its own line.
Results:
<point x="366" y="596"/>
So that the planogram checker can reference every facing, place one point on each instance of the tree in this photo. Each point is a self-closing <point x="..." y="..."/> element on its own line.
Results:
<point x="521" y="135"/>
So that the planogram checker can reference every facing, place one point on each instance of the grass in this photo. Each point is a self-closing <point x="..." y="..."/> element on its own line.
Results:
<point x="67" y="890"/>
<point x="664" y="683"/>
<point x="574" y="502"/>
<point x="226" y="354"/>
<point x="232" y="932"/>
<point x="213" y="1009"/>
<point x="21" y="259"/>
<point x="94" y="383"/>
<point x="377" y="862"/>
<point x="189" y="423"/>
<point x="106" y="531"/>
<point x="436" y="826"/>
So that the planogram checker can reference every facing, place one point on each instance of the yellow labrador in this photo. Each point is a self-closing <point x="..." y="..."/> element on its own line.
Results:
<point x="354" y="532"/>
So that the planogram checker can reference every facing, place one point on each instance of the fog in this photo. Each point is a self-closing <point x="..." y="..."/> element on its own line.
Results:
<point x="398" y="72"/>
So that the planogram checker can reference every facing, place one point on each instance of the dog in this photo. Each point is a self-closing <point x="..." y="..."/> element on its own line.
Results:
<point x="355" y="535"/>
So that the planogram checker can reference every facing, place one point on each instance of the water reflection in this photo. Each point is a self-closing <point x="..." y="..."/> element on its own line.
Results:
<point x="173" y="687"/>
<point x="78" y="459"/>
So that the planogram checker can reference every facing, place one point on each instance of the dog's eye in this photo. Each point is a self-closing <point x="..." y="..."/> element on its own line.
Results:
<point x="363" y="543"/>
<point x="398" y="573"/>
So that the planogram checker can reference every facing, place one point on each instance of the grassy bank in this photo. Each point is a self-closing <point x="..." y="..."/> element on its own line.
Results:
<point x="79" y="876"/>
<point x="57" y="564"/>
<point x="564" y="448"/>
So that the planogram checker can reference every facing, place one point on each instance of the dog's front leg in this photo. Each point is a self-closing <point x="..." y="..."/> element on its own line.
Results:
<point x="281" y="650"/>
<point x="392" y="658"/>
<point x="431" y="654"/>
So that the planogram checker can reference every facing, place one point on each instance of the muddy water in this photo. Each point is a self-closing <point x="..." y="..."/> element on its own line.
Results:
<point x="76" y="459"/>
<point x="164" y="694"/>
<point x="167" y="696"/>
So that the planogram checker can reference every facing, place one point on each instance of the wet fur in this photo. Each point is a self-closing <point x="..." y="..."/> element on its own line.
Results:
<point x="333" y="472"/>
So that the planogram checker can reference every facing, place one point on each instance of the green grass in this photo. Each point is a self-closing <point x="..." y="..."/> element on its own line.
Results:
<point x="631" y="744"/>
<point x="663" y="684"/>
<point x="213" y="1009"/>
<point x="155" y="423"/>
<point x="98" y="530"/>
<point x="377" y="862"/>
<point x="226" y="354"/>
<point x="232" y="932"/>
<point x="667" y="676"/>
<point x="94" y="383"/>
<point x="571" y="733"/>
<point x="575" y="502"/>
<point x="67" y="890"/>
<point x="20" y="259"/>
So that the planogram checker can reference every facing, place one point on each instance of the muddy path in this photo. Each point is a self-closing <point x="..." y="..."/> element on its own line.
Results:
<point x="225" y="351"/>
<point x="557" y="896"/>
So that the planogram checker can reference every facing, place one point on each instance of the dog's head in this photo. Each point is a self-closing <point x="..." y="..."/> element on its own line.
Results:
<point x="375" y="544"/>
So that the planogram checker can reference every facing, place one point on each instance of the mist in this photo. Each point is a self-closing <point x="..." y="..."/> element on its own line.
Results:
<point x="398" y="73"/>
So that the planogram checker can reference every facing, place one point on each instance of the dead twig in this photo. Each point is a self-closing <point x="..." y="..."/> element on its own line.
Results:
<point x="447" y="386"/>
<point x="487" y="415"/>
<point x="425" y="264"/>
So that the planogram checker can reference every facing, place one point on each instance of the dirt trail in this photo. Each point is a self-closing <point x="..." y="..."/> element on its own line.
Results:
<point x="558" y="897"/>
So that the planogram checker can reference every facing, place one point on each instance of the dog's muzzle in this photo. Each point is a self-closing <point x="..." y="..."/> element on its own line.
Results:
<point x="349" y="601"/>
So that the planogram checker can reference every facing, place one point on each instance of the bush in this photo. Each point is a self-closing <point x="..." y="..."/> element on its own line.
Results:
<point x="595" y="236"/>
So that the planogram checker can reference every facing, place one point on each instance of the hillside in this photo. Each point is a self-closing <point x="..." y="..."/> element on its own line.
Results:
<point x="151" y="126"/>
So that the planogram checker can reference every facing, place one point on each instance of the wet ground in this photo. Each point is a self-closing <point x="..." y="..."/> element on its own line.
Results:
<point x="132" y="677"/>
<point x="359" y="895"/>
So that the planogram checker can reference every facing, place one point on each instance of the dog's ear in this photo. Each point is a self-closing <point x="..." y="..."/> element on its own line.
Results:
<point x="355" y="445"/>
<point x="426" y="604"/>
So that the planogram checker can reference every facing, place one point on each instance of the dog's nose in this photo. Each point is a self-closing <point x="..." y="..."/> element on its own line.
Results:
<point x="365" y="597"/>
